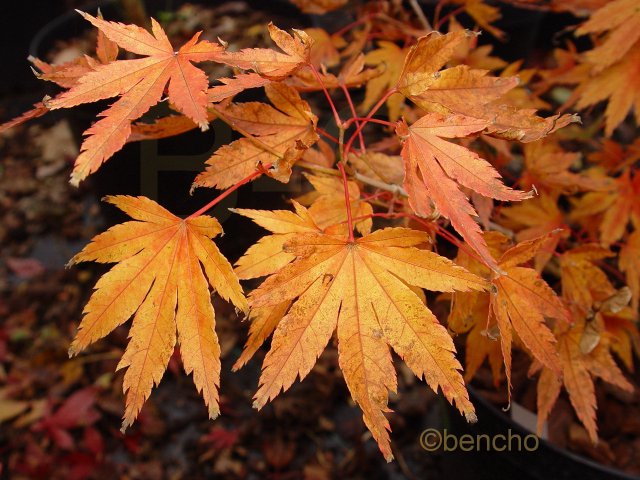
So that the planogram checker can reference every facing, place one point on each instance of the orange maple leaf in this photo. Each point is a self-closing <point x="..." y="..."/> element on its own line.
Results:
<point x="614" y="64"/>
<point x="621" y="19"/>
<point x="520" y="302"/>
<point x="327" y="205"/>
<point x="296" y="51"/>
<point x="141" y="84"/>
<point x="547" y="166"/>
<point x="579" y="369"/>
<point x="160" y="280"/>
<point x="434" y="167"/>
<point x="275" y="135"/>
<point x="265" y="257"/>
<point x="535" y="218"/>
<point x="470" y="314"/>
<point x="318" y="7"/>
<point x="618" y="206"/>
<point x="629" y="262"/>
<point x="361" y="288"/>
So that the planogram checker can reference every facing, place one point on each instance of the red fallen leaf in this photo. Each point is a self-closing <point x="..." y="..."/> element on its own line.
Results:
<point x="77" y="411"/>
<point x="80" y="465"/>
<point x="221" y="438"/>
<point x="25" y="267"/>
<point x="93" y="441"/>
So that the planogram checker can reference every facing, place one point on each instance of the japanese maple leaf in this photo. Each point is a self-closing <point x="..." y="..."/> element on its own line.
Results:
<point x="521" y="301"/>
<point x="547" y="167"/>
<point x="361" y="289"/>
<point x="467" y="91"/>
<point x="422" y="62"/>
<point x="141" y="84"/>
<point x="390" y="58"/>
<point x="583" y="282"/>
<point x="629" y="262"/>
<point x="620" y="330"/>
<point x="324" y="49"/>
<point x="579" y="370"/>
<point x="296" y="50"/>
<point x="435" y="168"/>
<point x="327" y="204"/>
<point x="234" y="85"/>
<point x="265" y="257"/>
<point x="618" y="206"/>
<point x="621" y="18"/>
<point x="535" y="218"/>
<point x="619" y="86"/>
<point x="484" y="15"/>
<point x="614" y="63"/>
<point x="160" y="280"/>
<point x="470" y="314"/>
<point x="275" y="135"/>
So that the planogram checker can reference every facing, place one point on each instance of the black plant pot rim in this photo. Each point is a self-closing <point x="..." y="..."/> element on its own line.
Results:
<point x="604" y="469"/>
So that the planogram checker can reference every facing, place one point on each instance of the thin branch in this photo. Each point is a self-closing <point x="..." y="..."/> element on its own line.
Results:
<point x="347" y="201"/>
<point x="366" y="119"/>
<point x="390" y="187"/>
<point x="347" y="95"/>
<point x="326" y="94"/>
<point x="229" y="191"/>
<point x="418" y="10"/>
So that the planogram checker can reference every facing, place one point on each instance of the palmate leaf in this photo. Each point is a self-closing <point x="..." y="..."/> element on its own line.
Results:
<point x="280" y="134"/>
<point x="613" y="66"/>
<point x="518" y="305"/>
<point x="141" y="84"/>
<point x="361" y="289"/>
<point x="165" y="266"/>
<point x="269" y="63"/>
<point x="521" y="301"/>
<point x="435" y="167"/>
<point x="579" y="371"/>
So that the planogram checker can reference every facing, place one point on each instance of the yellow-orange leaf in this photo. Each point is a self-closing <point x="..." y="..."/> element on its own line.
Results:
<point x="267" y="256"/>
<point x="425" y="58"/>
<point x="622" y="19"/>
<point x="360" y="289"/>
<point x="165" y="266"/>
<point x="232" y="86"/>
<point x="578" y="372"/>
<point x="278" y="136"/>
<point x="619" y="84"/>
<point x="327" y="205"/>
<point x="629" y="262"/>
<point x="390" y="57"/>
<point x="583" y="283"/>
<point x="271" y="63"/>
<point x="318" y="7"/>
<point x="521" y="301"/>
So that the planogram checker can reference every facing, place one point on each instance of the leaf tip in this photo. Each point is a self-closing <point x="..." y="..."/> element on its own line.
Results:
<point x="471" y="417"/>
<point x="258" y="404"/>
